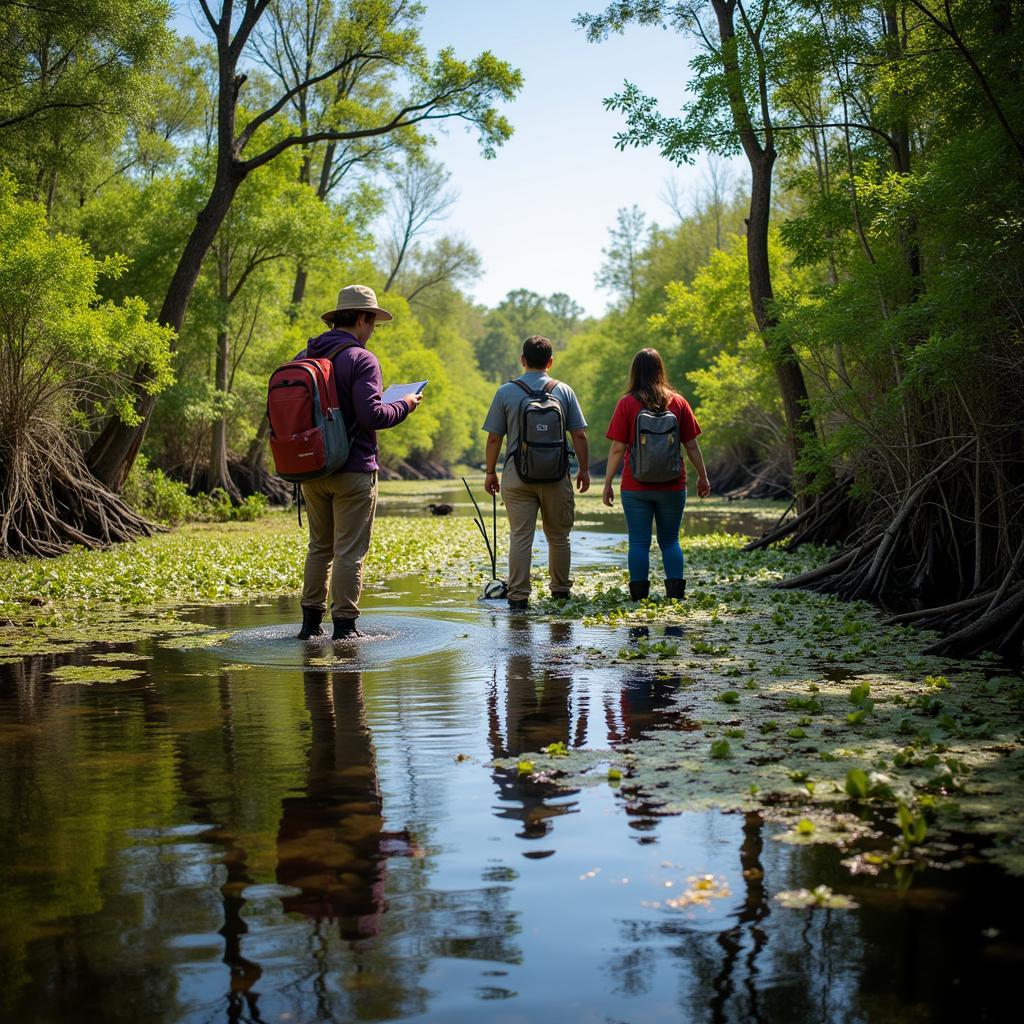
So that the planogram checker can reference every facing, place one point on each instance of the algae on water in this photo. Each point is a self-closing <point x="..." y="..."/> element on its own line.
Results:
<point x="806" y="705"/>
<point x="89" y="674"/>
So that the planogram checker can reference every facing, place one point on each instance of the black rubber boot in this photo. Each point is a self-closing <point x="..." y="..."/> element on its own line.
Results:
<point x="345" y="629"/>
<point x="676" y="589"/>
<point x="518" y="606"/>
<point x="639" y="589"/>
<point x="311" y="619"/>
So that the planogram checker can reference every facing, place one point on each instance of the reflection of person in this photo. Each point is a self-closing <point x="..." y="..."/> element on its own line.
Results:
<point x="331" y="841"/>
<point x="534" y="716"/>
<point x="647" y="503"/>
<point x="646" y="699"/>
<point x="340" y="507"/>
<point x="523" y="500"/>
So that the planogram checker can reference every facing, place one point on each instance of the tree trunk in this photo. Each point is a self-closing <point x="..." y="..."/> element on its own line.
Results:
<point x="790" y="377"/>
<point x="761" y="158"/>
<point x="113" y="453"/>
<point x="301" y="273"/>
<point x="218" y="475"/>
<point x="900" y="135"/>
<point x="255" y="457"/>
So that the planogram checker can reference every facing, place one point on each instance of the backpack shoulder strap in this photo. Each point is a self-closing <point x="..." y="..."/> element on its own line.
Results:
<point x="332" y="383"/>
<point x="550" y="386"/>
<point x="340" y="348"/>
<point x="522" y="383"/>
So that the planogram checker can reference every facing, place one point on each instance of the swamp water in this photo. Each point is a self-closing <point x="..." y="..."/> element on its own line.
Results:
<point x="258" y="830"/>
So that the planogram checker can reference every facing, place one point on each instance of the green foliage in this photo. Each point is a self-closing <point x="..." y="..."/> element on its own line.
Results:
<point x="649" y="649"/>
<point x="913" y="825"/>
<point x="167" y="501"/>
<point x="620" y="274"/>
<point x="73" y="76"/>
<point x="519" y="315"/>
<point x="156" y="496"/>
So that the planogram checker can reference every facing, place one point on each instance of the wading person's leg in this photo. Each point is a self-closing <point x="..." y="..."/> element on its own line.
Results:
<point x="320" y="519"/>
<point x="639" y="513"/>
<point x="557" y="514"/>
<point x="521" y="506"/>
<point x="355" y="501"/>
<point x="668" y="515"/>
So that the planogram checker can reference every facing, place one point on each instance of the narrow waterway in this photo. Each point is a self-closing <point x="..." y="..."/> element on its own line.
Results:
<point x="262" y="831"/>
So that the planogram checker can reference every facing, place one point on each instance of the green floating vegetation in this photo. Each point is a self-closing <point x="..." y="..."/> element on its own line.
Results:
<point x="821" y="897"/>
<point x="60" y="605"/>
<point x="866" y="719"/>
<point x="89" y="674"/>
<point x="188" y="643"/>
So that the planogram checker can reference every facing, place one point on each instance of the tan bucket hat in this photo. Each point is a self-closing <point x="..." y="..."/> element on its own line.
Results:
<point x="357" y="297"/>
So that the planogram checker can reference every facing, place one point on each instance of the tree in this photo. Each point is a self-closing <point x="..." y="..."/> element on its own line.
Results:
<point x="419" y="196"/>
<point x="520" y="314"/>
<point x="732" y="109"/>
<point x="443" y="89"/>
<point x="71" y="76"/>
<point x="63" y="353"/>
<point x="274" y="218"/>
<point x="293" y="40"/>
<point x="565" y="315"/>
<point x="448" y="261"/>
<point x="620" y="271"/>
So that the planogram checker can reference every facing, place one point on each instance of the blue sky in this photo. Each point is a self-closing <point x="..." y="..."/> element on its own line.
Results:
<point x="539" y="213"/>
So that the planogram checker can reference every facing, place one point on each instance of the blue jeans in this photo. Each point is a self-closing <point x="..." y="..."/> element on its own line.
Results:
<point x="665" y="508"/>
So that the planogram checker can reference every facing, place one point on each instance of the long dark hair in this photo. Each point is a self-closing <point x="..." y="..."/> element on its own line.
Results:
<point x="648" y="381"/>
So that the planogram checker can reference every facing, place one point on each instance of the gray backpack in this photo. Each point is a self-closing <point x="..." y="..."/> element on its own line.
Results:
<point x="655" y="456"/>
<point x="542" y="455"/>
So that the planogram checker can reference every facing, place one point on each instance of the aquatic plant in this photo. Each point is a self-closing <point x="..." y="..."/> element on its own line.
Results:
<point x="821" y="897"/>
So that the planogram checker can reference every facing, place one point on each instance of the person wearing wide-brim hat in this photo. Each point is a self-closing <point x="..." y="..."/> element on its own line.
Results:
<point x="341" y="506"/>
<point x="354" y="300"/>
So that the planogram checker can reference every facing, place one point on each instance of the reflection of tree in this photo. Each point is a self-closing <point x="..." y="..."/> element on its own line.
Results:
<point x="67" y="800"/>
<point x="537" y="712"/>
<point x="751" y="913"/>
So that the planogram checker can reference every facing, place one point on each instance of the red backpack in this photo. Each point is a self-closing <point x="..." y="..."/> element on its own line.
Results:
<point x="308" y="436"/>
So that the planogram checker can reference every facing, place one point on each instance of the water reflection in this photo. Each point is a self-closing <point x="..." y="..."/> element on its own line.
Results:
<point x="331" y="842"/>
<point x="537" y="710"/>
<point x="207" y="844"/>
<point x="646" y="699"/>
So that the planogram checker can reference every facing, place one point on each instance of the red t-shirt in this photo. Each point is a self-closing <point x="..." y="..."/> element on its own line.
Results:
<point x="623" y="426"/>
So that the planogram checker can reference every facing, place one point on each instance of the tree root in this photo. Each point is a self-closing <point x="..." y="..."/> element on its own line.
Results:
<point x="49" y="503"/>
<point x="827" y="521"/>
<point x="923" y="549"/>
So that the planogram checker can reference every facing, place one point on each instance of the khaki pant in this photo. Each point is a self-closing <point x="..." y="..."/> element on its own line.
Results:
<point x="340" y="510"/>
<point x="557" y="508"/>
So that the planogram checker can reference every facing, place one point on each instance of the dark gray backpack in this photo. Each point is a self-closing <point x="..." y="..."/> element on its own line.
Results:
<point x="655" y="456"/>
<point x="542" y="455"/>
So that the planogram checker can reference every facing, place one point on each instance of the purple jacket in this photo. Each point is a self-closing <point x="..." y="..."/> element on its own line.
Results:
<point x="357" y="374"/>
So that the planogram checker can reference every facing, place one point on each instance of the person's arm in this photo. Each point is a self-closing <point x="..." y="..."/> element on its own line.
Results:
<point x="582" y="449"/>
<point x="371" y="412"/>
<point x="694" y="453"/>
<point x="615" y="456"/>
<point x="491" y="483"/>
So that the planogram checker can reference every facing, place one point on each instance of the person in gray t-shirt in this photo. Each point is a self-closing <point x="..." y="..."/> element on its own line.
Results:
<point x="555" y="501"/>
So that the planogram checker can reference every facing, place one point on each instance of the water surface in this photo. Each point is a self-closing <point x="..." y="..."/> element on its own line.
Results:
<point x="269" y="832"/>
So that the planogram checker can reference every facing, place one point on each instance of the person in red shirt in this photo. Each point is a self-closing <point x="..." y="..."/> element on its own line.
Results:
<point x="647" y="504"/>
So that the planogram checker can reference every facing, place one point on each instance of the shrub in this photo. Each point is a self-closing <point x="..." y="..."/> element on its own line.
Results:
<point x="167" y="501"/>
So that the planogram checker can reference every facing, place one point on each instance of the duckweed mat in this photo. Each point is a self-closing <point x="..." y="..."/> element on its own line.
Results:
<point x="805" y="708"/>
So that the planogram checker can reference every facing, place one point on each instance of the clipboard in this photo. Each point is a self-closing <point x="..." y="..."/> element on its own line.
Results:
<point x="396" y="392"/>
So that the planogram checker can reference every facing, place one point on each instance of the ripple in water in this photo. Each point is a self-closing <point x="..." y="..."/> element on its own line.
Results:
<point x="388" y="639"/>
